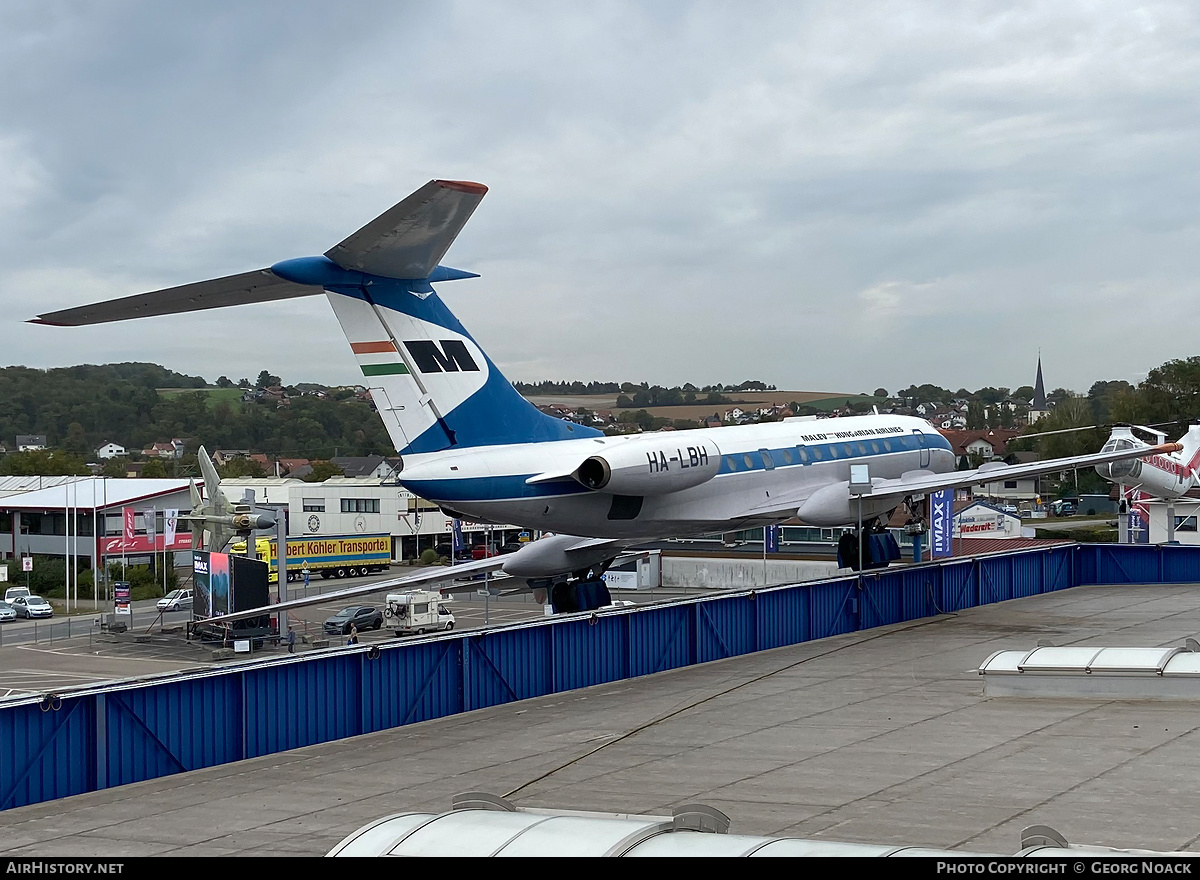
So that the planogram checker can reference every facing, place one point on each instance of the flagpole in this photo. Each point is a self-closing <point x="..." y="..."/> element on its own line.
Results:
<point x="75" y="542"/>
<point x="67" y="546"/>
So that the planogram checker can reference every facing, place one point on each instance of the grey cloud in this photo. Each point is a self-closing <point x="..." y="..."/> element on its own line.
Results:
<point x="830" y="196"/>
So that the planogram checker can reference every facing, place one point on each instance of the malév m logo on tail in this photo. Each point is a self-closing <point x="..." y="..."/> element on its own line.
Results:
<point x="452" y="357"/>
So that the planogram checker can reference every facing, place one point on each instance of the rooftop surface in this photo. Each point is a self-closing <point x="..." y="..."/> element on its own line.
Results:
<point x="881" y="736"/>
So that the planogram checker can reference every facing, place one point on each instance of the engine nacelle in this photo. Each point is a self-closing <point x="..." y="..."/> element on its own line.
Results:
<point x="650" y="466"/>
<point x="832" y="506"/>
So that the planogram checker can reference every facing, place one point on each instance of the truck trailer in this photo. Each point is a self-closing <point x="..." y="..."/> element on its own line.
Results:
<point x="326" y="555"/>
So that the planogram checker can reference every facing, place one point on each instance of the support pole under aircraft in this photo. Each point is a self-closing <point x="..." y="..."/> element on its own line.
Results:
<point x="281" y="566"/>
<point x="1122" y="516"/>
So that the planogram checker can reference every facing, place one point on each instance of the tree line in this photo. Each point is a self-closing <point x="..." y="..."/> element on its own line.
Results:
<point x="80" y="408"/>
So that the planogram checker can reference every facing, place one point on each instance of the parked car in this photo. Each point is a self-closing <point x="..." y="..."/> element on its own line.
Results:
<point x="360" y="616"/>
<point x="7" y="612"/>
<point x="511" y="547"/>
<point x="176" y="600"/>
<point x="12" y="593"/>
<point x="32" y="606"/>
<point x="482" y="551"/>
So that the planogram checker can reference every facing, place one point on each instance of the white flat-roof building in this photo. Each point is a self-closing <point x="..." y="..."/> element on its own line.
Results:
<point x="37" y="520"/>
<point x="349" y="505"/>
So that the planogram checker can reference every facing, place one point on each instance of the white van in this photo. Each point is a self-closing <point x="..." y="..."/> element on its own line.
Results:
<point x="176" y="600"/>
<point x="12" y="593"/>
<point x="417" y="611"/>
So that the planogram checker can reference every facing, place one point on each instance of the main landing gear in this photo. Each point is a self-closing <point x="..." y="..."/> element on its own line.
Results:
<point x="583" y="590"/>
<point x="878" y="546"/>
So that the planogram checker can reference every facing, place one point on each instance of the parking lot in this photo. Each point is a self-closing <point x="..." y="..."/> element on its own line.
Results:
<point x="44" y="656"/>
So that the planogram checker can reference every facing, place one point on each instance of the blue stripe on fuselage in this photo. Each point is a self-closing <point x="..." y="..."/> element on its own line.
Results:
<point x="490" y="488"/>
<point x="513" y="487"/>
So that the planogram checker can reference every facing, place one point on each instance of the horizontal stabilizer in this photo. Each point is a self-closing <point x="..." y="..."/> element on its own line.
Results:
<point x="408" y="240"/>
<point x="262" y="285"/>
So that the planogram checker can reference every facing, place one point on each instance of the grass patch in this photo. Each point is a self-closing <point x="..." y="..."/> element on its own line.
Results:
<point x="828" y="404"/>
<point x="1097" y="534"/>
<point x="213" y="396"/>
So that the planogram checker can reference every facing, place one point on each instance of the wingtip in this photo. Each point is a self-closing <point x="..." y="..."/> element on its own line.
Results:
<point x="46" y="323"/>
<point x="466" y="186"/>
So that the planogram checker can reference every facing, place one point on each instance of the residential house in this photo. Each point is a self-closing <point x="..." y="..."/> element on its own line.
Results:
<point x="222" y="457"/>
<point x="375" y="466"/>
<point x="288" y="466"/>
<point x="990" y="444"/>
<point x="985" y="443"/>
<point x="30" y="442"/>
<point x="110" y="450"/>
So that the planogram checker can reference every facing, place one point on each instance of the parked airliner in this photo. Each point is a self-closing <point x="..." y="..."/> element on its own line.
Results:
<point x="471" y="444"/>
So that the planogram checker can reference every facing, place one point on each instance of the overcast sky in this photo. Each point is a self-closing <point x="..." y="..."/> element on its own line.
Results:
<point x="825" y="196"/>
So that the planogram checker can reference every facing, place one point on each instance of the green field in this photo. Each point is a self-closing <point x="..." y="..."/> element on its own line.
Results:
<point x="213" y="395"/>
<point x="827" y="404"/>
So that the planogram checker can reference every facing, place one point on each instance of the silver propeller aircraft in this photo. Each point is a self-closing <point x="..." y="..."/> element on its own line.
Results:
<point x="479" y="450"/>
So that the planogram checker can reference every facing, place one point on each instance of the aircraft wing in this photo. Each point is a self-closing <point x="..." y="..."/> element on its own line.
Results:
<point x="431" y="576"/>
<point x="262" y="285"/>
<point x="922" y="482"/>
<point x="408" y="240"/>
<point x="438" y="574"/>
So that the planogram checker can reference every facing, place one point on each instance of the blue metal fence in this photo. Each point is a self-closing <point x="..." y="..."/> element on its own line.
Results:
<point x="94" y="738"/>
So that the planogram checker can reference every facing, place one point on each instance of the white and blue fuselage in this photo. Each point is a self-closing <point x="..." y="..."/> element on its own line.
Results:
<point x="750" y="465"/>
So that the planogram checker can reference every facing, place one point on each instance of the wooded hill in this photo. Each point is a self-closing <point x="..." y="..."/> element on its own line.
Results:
<point x="81" y="408"/>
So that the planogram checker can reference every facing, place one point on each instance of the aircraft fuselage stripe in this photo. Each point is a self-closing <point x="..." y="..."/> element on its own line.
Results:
<point x="504" y="487"/>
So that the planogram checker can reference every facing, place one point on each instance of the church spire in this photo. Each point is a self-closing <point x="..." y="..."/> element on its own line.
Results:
<point x="1038" y="404"/>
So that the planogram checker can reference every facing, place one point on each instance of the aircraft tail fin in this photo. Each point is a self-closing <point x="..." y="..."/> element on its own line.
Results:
<point x="1190" y="454"/>
<point x="431" y="383"/>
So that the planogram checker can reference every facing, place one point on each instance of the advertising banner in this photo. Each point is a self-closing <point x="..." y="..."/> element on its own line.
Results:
<point x="121" y="598"/>
<point x="459" y="543"/>
<point x="170" y="519"/>
<point x="201" y="596"/>
<point x="218" y="582"/>
<point x="148" y="517"/>
<point x="941" y="515"/>
<point x="1139" y="515"/>
<point x="127" y="514"/>
<point x="118" y="545"/>
<point x="772" y="539"/>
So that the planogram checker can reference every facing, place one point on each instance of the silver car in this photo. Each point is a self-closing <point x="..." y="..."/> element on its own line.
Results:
<point x="32" y="606"/>
<point x="176" y="600"/>
<point x="7" y="612"/>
